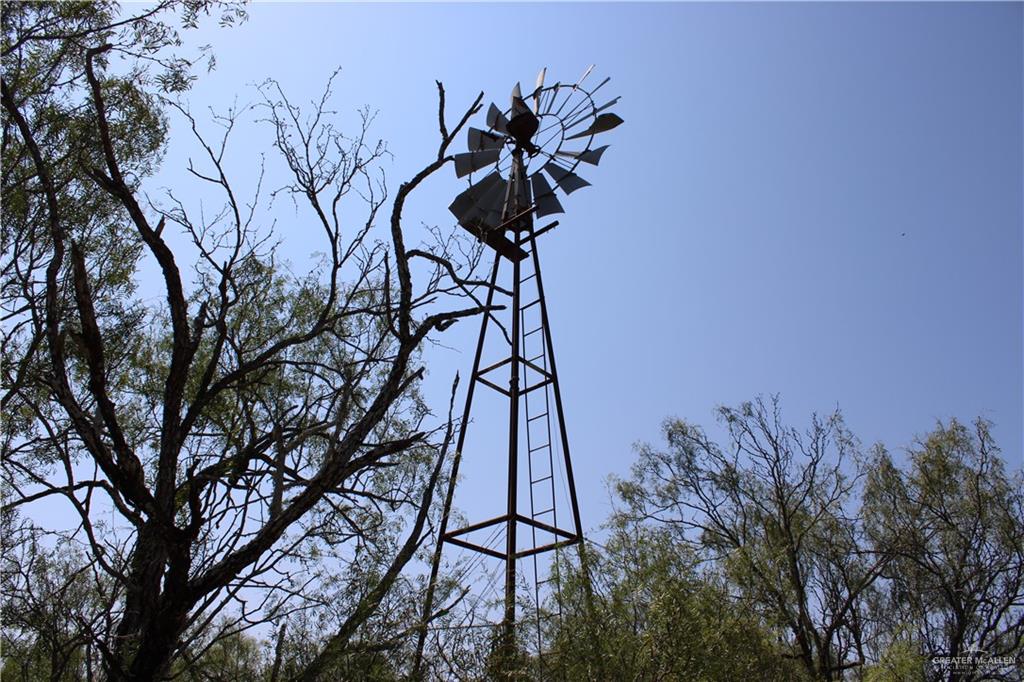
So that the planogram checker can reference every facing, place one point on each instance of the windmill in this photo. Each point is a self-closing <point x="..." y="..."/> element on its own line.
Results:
<point x="515" y="168"/>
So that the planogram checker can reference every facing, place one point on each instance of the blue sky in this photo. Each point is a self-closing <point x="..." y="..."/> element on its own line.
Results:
<point x="820" y="200"/>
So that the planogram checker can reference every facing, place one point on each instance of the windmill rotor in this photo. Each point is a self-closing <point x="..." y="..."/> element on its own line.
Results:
<point x="536" y="146"/>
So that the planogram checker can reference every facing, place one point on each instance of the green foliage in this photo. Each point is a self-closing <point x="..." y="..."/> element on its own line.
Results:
<point x="900" y="662"/>
<point x="235" y="656"/>
<point x="769" y="511"/>
<point x="276" y="369"/>
<point x="870" y="580"/>
<point x="643" y="611"/>
<point x="505" y="662"/>
<point x="953" y="524"/>
<point x="50" y="598"/>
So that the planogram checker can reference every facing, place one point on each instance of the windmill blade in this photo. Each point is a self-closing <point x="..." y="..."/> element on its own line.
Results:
<point x="591" y="156"/>
<point x="496" y="120"/>
<point x="493" y="201"/>
<point x="568" y="181"/>
<point x="481" y="223"/>
<point x="466" y="202"/>
<point x="600" y="85"/>
<point x="580" y="112"/>
<point x="484" y="210"/>
<point x="491" y="219"/>
<point x="478" y="220"/>
<point x="552" y="96"/>
<point x="585" y="74"/>
<point x="607" y="104"/>
<point x="490" y="208"/>
<point x="603" y="123"/>
<point x="537" y="88"/>
<point x="467" y="162"/>
<point x="482" y="187"/>
<point x="573" y="117"/>
<point x="480" y="140"/>
<point x="547" y="202"/>
<point x="572" y="90"/>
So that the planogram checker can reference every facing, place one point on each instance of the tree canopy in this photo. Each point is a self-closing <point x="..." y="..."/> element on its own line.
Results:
<point x="221" y="449"/>
<point x="860" y="567"/>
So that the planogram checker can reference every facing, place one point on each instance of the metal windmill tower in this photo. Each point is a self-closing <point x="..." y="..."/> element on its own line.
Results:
<point x="544" y="135"/>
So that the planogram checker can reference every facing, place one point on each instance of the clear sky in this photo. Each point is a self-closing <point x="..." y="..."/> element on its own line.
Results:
<point x="821" y="200"/>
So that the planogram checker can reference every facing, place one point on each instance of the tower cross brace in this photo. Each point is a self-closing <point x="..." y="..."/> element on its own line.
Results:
<point x="519" y="219"/>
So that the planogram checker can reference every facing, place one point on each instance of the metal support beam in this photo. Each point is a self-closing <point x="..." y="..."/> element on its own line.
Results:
<point x="508" y="625"/>
<point x="520" y="367"/>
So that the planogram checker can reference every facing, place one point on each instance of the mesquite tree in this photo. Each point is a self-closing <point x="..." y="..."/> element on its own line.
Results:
<point x="952" y="520"/>
<point x="772" y="509"/>
<point x="251" y="441"/>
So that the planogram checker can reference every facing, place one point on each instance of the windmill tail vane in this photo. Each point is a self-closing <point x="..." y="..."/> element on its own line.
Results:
<point x="528" y="152"/>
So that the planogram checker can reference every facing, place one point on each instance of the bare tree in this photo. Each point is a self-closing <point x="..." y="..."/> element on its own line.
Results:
<point x="255" y="430"/>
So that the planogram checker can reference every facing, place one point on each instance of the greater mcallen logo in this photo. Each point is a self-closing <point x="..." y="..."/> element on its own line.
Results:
<point x="974" y="660"/>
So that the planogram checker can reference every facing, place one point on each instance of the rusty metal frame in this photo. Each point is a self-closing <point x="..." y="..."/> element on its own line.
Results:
<point x="525" y="236"/>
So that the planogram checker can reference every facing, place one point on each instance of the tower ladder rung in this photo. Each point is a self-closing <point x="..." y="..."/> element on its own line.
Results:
<point x="529" y="305"/>
<point x="540" y="447"/>
<point x="535" y="358"/>
<point x="536" y="416"/>
<point x="545" y="511"/>
<point x="540" y="480"/>
<point x="533" y="331"/>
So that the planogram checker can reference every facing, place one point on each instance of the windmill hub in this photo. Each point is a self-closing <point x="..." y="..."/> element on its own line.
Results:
<point x="523" y="123"/>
